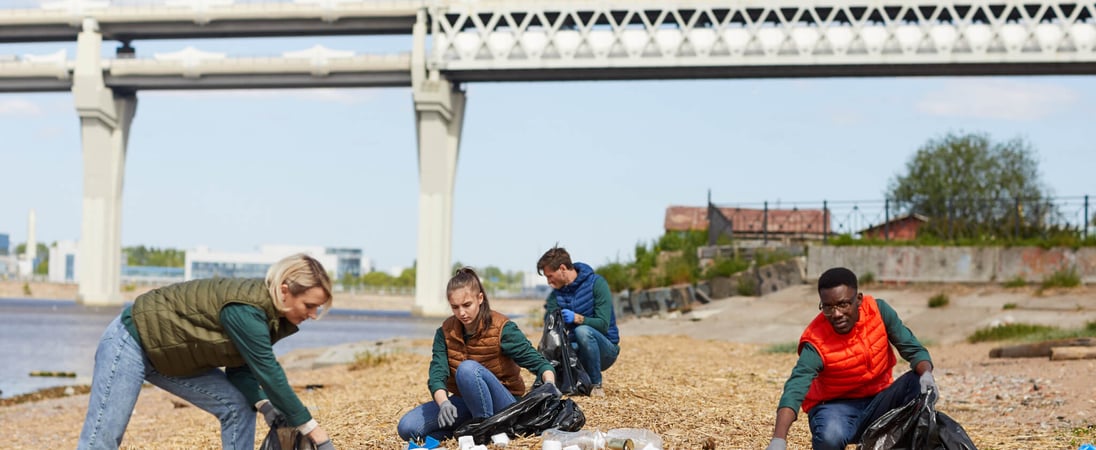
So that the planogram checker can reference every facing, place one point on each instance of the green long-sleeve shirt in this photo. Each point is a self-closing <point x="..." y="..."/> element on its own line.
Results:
<point x="261" y="377"/>
<point x="603" y="306"/>
<point x="513" y="343"/>
<point x="809" y="364"/>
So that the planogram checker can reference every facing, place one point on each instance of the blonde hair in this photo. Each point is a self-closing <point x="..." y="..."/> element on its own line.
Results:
<point x="299" y="273"/>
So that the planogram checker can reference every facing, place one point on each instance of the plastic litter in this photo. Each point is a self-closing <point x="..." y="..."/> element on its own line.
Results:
<point x="918" y="425"/>
<point x="615" y="439"/>
<point x="466" y="442"/>
<point x="427" y="443"/>
<point x="500" y="440"/>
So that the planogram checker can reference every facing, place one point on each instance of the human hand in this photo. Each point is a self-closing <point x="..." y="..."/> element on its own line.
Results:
<point x="928" y="382"/>
<point x="568" y="316"/>
<point x="447" y="414"/>
<point x="777" y="444"/>
<point x="325" y="445"/>
<point x="270" y="413"/>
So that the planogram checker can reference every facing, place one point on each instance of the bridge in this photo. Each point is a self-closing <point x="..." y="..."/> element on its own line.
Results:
<point x="456" y="43"/>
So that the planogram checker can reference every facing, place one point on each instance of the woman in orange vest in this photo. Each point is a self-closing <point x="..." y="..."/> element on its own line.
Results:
<point x="475" y="368"/>
<point x="843" y="379"/>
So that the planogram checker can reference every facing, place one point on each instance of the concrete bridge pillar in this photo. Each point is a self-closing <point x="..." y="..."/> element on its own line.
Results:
<point x="105" y="118"/>
<point x="439" y="116"/>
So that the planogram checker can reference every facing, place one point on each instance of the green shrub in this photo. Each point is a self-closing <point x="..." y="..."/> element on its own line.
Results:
<point x="867" y="278"/>
<point x="1009" y="306"/>
<point x="1016" y="282"/>
<point x="1062" y="278"/>
<point x="1011" y="331"/>
<point x="939" y="301"/>
<point x="26" y="289"/>
<point x="725" y="267"/>
<point x="747" y="287"/>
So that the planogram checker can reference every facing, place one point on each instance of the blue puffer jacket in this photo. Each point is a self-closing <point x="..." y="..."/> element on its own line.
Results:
<point x="578" y="296"/>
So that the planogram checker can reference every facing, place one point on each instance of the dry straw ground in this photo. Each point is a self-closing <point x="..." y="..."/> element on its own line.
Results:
<point x="693" y="391"/>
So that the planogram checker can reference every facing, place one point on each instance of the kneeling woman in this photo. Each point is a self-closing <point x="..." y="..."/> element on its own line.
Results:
<point x="474" y="370"/>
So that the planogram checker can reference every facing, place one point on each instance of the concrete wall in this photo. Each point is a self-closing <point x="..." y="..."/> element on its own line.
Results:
<point x="953" y="264"/>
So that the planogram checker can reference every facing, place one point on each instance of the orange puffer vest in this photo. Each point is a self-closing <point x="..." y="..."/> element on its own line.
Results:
<point x="854" y="365"/>
<point x="483" y="347"/>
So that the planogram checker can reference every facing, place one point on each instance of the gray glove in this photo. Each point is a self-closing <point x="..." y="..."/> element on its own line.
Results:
<point x="325" y="445"/>
<point x="270" y="413"/>
<point x="777" y="444"/>
<point x="447" y="414"/>
<point x="928" y="382"/>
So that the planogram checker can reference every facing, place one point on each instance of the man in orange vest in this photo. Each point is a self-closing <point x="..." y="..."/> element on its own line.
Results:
<point x="843" y="379"/>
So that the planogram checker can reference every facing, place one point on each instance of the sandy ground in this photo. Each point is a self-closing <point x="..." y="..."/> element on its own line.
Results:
<point x="701" y="379"/>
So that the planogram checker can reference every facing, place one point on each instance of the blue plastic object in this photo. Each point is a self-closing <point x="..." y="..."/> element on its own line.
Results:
<point x="1087" y="446"/>
<point x="429" y="442"/>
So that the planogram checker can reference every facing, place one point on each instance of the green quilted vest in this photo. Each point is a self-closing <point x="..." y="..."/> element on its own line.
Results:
<point x="180" y="325"/>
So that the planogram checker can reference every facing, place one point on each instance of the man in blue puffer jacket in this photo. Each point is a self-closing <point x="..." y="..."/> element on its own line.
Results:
<point x="587" y="308"/>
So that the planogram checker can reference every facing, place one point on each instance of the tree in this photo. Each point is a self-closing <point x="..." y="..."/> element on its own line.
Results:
<point x="971" y="187"/>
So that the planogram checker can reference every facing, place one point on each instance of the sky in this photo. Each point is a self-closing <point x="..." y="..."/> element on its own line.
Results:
<point x="591" y="166"/>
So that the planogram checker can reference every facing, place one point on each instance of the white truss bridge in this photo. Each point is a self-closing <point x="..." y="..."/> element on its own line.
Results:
<point x="456" y="42"/>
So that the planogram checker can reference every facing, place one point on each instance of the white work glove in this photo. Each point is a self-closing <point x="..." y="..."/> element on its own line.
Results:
<point x="777" y="444"/>
<point x="928" y="382"/>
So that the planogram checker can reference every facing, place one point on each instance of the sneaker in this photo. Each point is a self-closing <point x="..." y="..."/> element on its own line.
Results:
<point x="596" y="391"/>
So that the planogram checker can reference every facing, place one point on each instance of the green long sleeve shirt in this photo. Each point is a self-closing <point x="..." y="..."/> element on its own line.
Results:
<point x="261" y="377"/>
<point x="513" y="343"/>
<point x="603" y="306"/>
<point x="809" y="364"/>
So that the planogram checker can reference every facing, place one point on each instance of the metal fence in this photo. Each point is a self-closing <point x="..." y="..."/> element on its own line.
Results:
<point x="958" y="218"/>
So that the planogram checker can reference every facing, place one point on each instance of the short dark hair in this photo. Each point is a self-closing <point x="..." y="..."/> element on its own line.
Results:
<point x="553" y="258"/>
<point x="837" y="276"/>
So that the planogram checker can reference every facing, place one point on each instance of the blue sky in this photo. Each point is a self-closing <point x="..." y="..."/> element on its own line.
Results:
<point x="590" y="165"/>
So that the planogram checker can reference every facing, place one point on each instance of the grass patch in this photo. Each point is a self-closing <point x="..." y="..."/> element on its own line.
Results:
<point x="783" y="348"/>
<point x="1008" y="306"/>
<point x="368" y="359"/>
<point x="747" y="287"/>
<point x="866" y="279"/>
<point x="939" y="301"/>
<point x="1082" y="435"/>
<point x="1016" y="282"/>
<point x="1007" y="332"/>
<point x="1030" y="332"/>
<point x="1061" y="278"/>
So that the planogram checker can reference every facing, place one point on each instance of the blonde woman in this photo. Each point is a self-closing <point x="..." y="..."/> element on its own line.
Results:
<point x="178" y="337"/>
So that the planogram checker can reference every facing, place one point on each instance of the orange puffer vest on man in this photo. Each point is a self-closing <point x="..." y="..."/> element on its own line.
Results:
<point x="854" y="365"/>
<point x="483" y="347"/>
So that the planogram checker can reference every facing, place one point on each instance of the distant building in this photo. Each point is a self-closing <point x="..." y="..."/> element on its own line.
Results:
<point x="62" y="262"/>
<point x="203" y="263"/>
<point x="5" y="244"/>
<point x="750" y="223"/>
<point x="901" y="228"/>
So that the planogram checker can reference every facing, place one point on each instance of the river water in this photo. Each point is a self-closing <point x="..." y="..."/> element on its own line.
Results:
<point x="61" y="336"/>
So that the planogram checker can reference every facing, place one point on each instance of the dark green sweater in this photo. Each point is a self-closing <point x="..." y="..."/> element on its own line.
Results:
<point x="261" y="377"/>
<point x="514" y="345"/>
<point x="810" y="362"/>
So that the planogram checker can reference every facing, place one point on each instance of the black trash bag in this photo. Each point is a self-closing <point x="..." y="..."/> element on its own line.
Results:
<point x="284" y="437"/>
<point x="916" y="426"/>
<point x="540" y="409"/>
<point x="555" y="346"/>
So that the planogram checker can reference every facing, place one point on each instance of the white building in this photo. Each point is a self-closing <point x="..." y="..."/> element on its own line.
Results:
<point x="203" y="263"/>
<point x="62" y="262"/>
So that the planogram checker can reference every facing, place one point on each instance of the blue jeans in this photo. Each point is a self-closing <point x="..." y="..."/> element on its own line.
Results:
<point x="595" y="352"/>
<point x="121" y="368"/>
<point x="481" y="395"/>
<point x="837" y="423"/>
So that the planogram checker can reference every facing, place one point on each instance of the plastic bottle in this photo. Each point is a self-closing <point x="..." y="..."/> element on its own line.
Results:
<point x="642" y="439"/>
<point x="584" y="439"/>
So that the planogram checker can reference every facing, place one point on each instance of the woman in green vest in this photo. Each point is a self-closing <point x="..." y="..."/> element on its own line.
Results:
<point x="179" y="338"/>
<point x="474" y="371"/>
